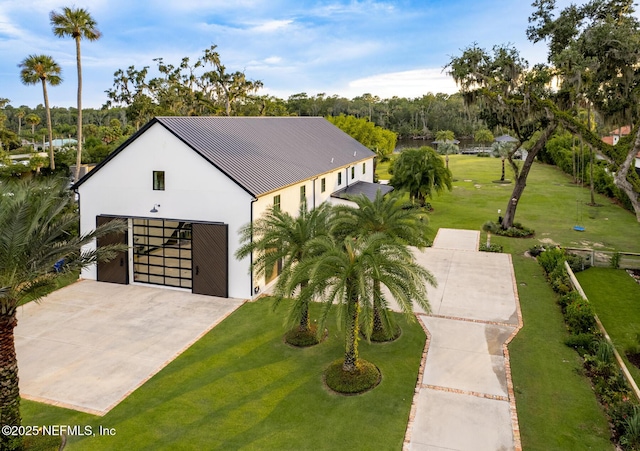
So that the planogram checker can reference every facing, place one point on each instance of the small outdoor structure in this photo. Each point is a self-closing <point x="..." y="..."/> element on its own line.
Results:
<point x="186" y="185"/>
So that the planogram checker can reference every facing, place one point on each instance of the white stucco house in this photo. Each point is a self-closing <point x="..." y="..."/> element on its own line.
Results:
<point x="186" y="185"/>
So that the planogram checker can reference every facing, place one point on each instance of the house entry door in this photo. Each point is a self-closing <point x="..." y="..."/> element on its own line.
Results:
<point x="210" y="259"/>
<point x="116" y="270"/>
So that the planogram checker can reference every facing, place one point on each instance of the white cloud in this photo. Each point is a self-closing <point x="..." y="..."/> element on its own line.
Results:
<point x="271" y="26"/>
<point x="410" y="84"/>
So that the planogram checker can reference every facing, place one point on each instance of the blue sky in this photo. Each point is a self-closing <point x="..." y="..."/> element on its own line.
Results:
<point x="343" y="47"/>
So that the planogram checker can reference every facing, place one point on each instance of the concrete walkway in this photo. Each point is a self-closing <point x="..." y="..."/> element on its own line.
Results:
<point x="89" y="345"/>
<point x="464" y="397"/>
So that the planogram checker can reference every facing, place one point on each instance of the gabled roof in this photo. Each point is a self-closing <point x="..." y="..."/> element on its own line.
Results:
<point x="262" y="154"/>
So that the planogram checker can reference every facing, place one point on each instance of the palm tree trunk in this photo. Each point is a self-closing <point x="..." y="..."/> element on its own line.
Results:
<point x="9" y="391"/>
<point x="352" y="335"/>
<point x="79" y="145"/>
<point x="52" y="163"/>
<point x="502" y="177"/>
<point x="378" y="325"/>
<point x="304" y="312"/>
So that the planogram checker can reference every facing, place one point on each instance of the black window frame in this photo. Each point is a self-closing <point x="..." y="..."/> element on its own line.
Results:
<point x="339" y="178"/>
<point x="353" y="172"/>
<point x="158" y="181"/>
<point x="276" y="202"/>
<point x="323" y="185"/>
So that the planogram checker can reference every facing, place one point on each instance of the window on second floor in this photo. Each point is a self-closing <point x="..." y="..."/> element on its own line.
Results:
<point x="364" y="168"/>
<point x="339" y="178"/>
<point x="158" y="180"/>
<point x="303" y="193"/>
<point x="276" y="202"/>
<point x="353" y="172"/>
<point x="323" y="185"/>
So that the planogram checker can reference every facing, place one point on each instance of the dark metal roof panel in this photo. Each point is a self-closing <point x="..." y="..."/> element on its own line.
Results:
<point x="263" y="154"/>
<point x="368" y="189"/>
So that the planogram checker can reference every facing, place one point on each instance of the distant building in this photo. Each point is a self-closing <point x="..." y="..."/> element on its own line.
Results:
<point x="59" y="143"/>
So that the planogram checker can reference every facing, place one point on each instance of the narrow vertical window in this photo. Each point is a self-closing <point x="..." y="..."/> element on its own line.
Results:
<point x="323" y="185"/>
<point x="339" y="178"/>
<point x="353" y="172"/>
<point x="158" y="180"/>
<point x="276" y="202"/>
<point x="364" y="168"/>
<point x="303" y="193"/>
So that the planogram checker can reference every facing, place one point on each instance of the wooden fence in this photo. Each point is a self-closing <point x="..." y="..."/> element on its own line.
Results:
<point x="603" y="259"/>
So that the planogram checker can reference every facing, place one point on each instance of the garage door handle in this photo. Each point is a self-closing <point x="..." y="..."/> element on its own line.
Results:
<point x="122" y="262"/>
<point x="197" y="270"/>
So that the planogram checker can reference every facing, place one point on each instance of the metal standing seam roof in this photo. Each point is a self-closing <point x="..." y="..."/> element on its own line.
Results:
<point x="263" y="154"/>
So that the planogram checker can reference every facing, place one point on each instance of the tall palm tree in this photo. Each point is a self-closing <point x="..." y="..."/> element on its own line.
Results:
<point x="342" y="272"/>
<point x="279" y="237"/>
<point x="42" y="68"/>
<point x="36" y="221"/>
<point x="384" y="214"/>
<point x="77" y="23"/>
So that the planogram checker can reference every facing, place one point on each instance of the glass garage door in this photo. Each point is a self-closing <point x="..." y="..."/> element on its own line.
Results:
<point x="162" y="252"/>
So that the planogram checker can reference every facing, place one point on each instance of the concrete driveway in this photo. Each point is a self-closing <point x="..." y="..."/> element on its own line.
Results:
<point x="464" y="397"/>
<point x="91" y="344"/>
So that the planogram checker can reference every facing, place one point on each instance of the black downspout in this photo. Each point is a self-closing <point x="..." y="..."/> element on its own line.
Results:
<point x="251" y="292"/>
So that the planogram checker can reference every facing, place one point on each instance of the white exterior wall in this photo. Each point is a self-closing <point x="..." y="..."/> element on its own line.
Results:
<point x="194" y="191"/>
<point x="290" y="196"/>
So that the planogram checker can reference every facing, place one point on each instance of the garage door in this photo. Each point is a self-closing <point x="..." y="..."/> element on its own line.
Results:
<point x="210" y="259"/>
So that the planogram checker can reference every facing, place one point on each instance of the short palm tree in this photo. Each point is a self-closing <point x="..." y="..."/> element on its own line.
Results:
<point x="42" y="68"/>
<point x="421" y="172"/>
<point x="342" y="272"/>
<point x="78" y="24"/>
<point x="37" y="224"/>
<point x="279" y="237"/>
<point x="384" y="214"/>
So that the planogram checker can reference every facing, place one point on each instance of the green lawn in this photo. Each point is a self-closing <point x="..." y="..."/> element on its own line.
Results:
<point x="241" y="387"/>
<point x="557" y="409"/>
<point x="616" y="298"/>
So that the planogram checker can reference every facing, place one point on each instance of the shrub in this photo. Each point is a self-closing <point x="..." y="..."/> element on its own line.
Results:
<point x="580" y="317"/>
<point x="577" y="263"/>
<point x="536" y="250"/>
<point x="551" y="258"/>
<point x="517" y="231"/>
<point x="559" y="279"/>
<point x="492" y="248"/>
<point x="582" y="343"/>
<point x="567" y="299"/>
<point x="615" y="260"/>
<point x="303" y="338"/>
<point x="366" y="377"/>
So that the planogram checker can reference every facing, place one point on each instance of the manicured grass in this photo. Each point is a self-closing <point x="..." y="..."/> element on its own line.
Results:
<point x="616" y="299"/>
<point x="242" y="387"/>
<point x="548" y="205"/>
<point x="557" y="408"/>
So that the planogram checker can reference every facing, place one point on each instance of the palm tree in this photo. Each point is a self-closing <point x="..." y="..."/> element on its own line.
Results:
<point x="342" y="272"/>
<point x="278" y="237"/>
<point x="421" y="172"/>
<point x="37" y="219"/>
<point x="42" y="68"/>
<point x="20" y="114"/>
<point x="33" y="120"/>
<point x="446" y="144"/>
<point x="384" y="214"/>
<point x="77" y="23"/>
